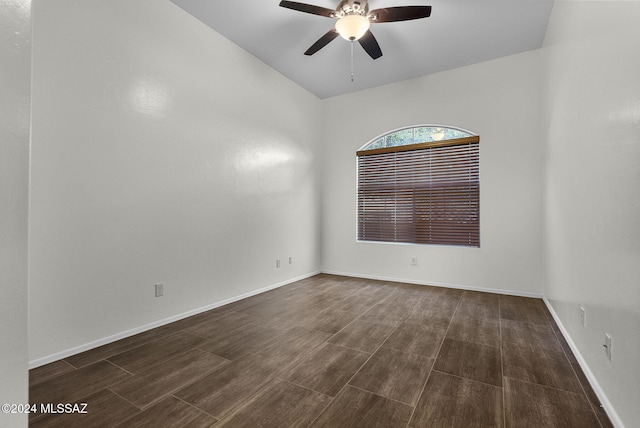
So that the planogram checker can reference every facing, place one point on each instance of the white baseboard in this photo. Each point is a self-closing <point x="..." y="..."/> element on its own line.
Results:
<point x="606" y="404"/>
<point x="436" y="284"/>
<point x="96" y="343"/>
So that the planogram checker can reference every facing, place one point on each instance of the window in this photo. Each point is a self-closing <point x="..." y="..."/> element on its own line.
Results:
<point x="420" y="185"/>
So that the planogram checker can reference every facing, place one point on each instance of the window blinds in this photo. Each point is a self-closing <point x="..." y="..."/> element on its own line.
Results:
<point x="426" y="193"/>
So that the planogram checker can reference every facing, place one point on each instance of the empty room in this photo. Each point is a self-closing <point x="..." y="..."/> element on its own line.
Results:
<point x="257" y="213"/>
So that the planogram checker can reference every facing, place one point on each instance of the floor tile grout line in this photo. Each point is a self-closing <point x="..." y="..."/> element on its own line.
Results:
<point x="324" y="409"/>
<point x="467" y="378"/>
<point x="535" y="345"/>
<point x="502" y="377"/>
<point x="546" y="386"/>
<point x="382" y="396"/>
<point x="158" y="400"/>
<point x="553" y="387"/>
<point x="474" y="343"/>
<point x="593" y="409"/>
<point x="356" y="372"/>
<point x="107" y="358"/>
<point x="236" y="408"/>
<point x="444" y="337"/>
<point x="194" y="406"/>
<point x="305" y="387"/>
<point x="63" y="361"/>
<point x="410" y="352"/>
<point x="140" y="409"/>
<point x="66" y="359"/>
<point x="147" y="368"/>
<point x="591" y="405"/>
<point x="272" y="340"/>
<point x="282" y="379"/>
<point x="354" y="320"/>
<point x="232" y="329"/>
<point x="353" y="293"/>
<point x="347" y="347"/>
<point x="115" y="365"/>
<point x="174" y="391"/>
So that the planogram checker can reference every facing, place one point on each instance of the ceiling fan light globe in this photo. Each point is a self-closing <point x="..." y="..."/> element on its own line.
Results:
<point x="352" y="27"/>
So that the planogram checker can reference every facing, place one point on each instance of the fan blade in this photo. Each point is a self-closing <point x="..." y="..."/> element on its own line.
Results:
<point x="308" y="8"/>
<point x="370" y="44"/>
<point x="322" y="42"/>
<point x="400" y="13"/>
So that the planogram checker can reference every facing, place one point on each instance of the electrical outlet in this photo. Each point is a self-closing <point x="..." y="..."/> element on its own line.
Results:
<point x="290" y="260"/>
<point x="583" y="316"/>
<point x="277" y="263"/>
<point x="414" y="261"/>
<point x="159" y="289"/>
<point x="607" y="345"/>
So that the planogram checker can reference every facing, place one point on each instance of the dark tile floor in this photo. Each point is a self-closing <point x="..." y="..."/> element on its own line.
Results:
<point x="332" y="351"/>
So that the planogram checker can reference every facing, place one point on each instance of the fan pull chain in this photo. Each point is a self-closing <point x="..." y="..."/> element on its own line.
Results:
<point x="352" y="60"/>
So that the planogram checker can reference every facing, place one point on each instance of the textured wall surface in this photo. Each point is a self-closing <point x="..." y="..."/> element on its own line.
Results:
<point x="592" y="121"/>
<point x="15" y="66"/>
<point x="162" y="153"/>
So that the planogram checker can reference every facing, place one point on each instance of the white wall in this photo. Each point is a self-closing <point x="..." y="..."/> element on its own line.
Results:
<point x="499" y="100"/>
<point x="592" y="120"/>
<point x="15" y="63"/>
<point x="161" y="152"/>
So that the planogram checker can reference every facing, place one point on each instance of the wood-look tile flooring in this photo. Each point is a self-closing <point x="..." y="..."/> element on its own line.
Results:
<point x="332" y="351"/>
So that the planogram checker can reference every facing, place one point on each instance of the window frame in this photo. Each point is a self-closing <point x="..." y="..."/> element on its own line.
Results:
<point x="468" y="226"/>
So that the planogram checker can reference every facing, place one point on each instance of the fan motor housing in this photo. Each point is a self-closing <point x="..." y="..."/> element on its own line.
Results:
<point x="353" y="7"/>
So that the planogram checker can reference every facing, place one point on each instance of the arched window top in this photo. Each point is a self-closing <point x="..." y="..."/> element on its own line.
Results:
<point x="416" y="135"/>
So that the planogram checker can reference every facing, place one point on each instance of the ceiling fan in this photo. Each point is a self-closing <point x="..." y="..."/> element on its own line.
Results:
<point x="353" y="21"/>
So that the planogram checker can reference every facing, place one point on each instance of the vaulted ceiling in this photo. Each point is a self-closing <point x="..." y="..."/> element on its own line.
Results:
<point x="458" y="33"/>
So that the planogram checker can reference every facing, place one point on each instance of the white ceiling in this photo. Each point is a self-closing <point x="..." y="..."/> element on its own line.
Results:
<point x="458" y="33"/>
